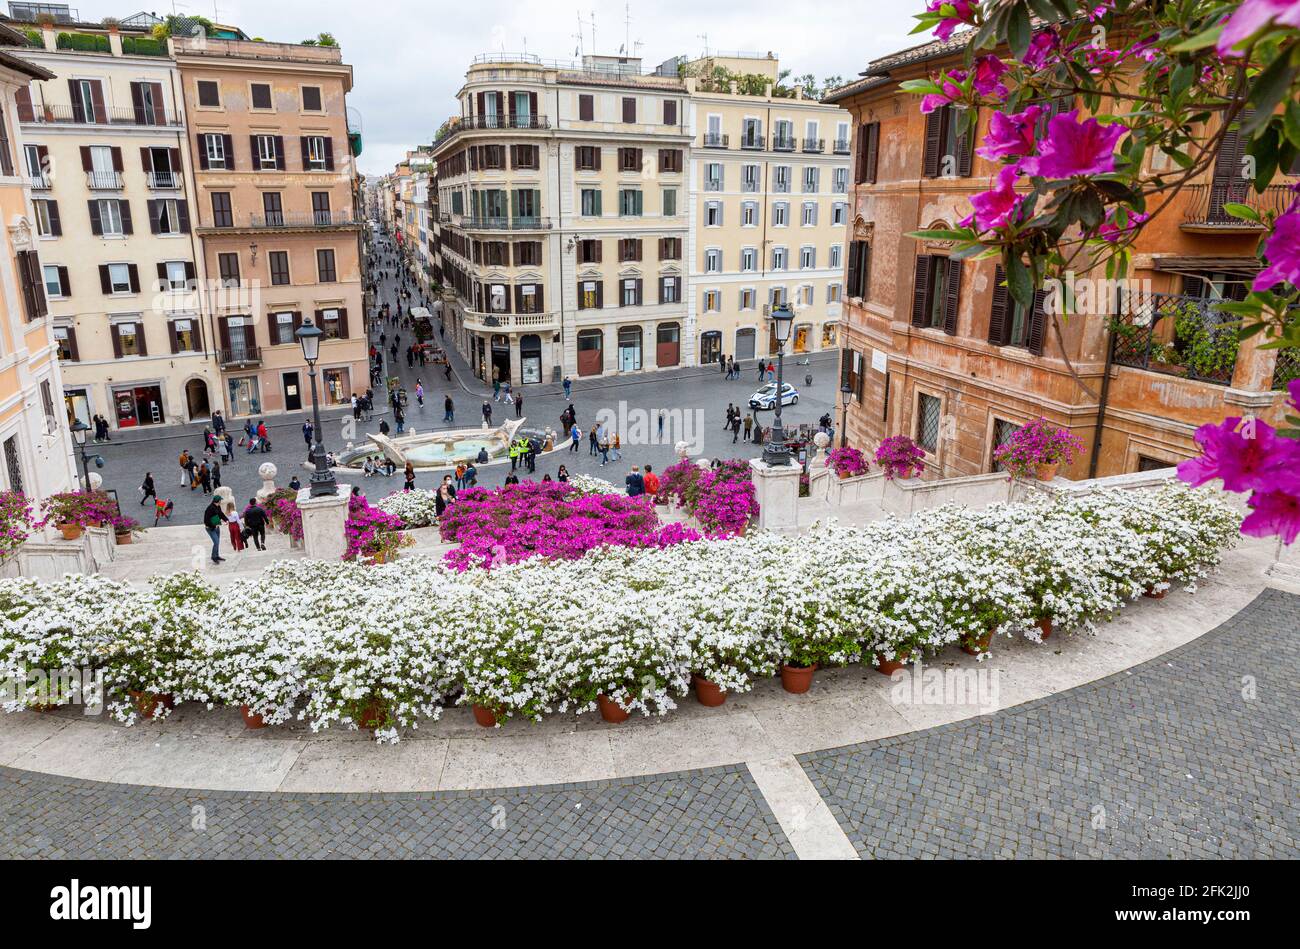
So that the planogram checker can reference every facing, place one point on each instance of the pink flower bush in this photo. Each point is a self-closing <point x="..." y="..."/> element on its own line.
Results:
<point x="1253" y="16"/>
<point x="1074" y="148"/>
<point x="989" y="71"/>
<point x="847" y="462"/>
<point x="1011" y="135"/>
<point x="1044" y="49"/>
<point x="82" y="508"/>
<point x="369" y="531"/>
<point x="281" y="507"/>
<point x="1253" y="456"/>
<point x="1037" y="443"/>
<point x="725" y="506"/>
<point x="547" y="519"/>
<point x="1282" y="252"/>
<point x="16" y="522"/>
<point x="995" y="208"/>
<point x="950" y="83"/>
<point x="1111" y="230"/>
<point x="900" y="457"/>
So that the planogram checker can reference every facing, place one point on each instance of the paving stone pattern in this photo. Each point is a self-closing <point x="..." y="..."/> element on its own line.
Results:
<point x="712" y="813"/>
<point x="1169" y="758"/>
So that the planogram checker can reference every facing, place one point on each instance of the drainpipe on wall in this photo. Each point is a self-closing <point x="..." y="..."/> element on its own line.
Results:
<point x="1095" y="455"/>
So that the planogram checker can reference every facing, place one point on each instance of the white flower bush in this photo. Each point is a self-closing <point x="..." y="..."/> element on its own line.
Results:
<point x="586" y="485"/>
<point x="388" y="646"/>
<point x="415" y="508"/>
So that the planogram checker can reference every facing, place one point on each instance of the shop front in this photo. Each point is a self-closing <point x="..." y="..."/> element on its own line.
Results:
<point x="629" y="349"/>
<point x="77" y="402"/>
<point x="530" y="358"/>
<point x="138" y="405"/>
<point x="245" y="398"/>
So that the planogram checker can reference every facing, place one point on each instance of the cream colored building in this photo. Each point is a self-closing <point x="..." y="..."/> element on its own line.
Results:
<point x="106" y="152"/>
<point x="35" y="449"/>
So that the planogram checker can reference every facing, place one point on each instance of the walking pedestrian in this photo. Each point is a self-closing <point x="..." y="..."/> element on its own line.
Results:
<point x="519" y="406"/>
<point x="255" y="518"/>
<point x="448" y="409"/>
<point x="576" y="434"/>
<point x="568" y="388"/>
<point x="147" y="489"/>
<point x="635" y="483"/>
<point x="487" y="411"/>
<point x="410" y="478"/>
<point x="235" y="527"/>
<point x="212" y="521"/>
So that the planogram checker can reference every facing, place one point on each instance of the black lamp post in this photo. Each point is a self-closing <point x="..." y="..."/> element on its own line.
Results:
<point x="322" y="479"/>
<point x="79" y="431"/>
<point x="847" y="393"/>
<point x="776" y="452"/>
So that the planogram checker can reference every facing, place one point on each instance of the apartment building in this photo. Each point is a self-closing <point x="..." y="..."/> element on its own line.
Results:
<point x="33" y="428"/>
<point x="934" y="347"/>
<point x="768" y="213"/>
<point x="563" y="219"/>
<point x="105" y="151"/>
<point x="274" y="185"/>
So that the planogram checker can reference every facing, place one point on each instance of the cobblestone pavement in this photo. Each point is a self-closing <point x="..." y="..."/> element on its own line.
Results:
<point x="1176" y="758"/>
<point x="713" y="813"/>
<point x="130" y="454"/>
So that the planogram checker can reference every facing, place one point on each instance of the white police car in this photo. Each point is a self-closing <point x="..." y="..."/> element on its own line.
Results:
<point x="765" y="398"/>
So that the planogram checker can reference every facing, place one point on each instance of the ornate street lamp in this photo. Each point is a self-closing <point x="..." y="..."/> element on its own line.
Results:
<point x="776" y="452"/>
<point x="847" y="392"/>
<point x="322" y="479"/>
<point x="79" y="431"/>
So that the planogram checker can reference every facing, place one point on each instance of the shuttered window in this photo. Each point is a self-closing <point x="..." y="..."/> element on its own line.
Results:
<point x="1009" y="322"/>
<point x="949" y="149"/>
<point x="936" y="293"/>
<point x="868" y="152"/>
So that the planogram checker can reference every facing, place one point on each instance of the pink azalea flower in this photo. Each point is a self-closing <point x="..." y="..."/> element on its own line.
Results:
<point x="1075" y="148"/>
<point x="996" y="207"/>
<point x="1282" y="252"/>
<point x="988" y="76"/>
<point x="1111" y="231"/>
<point x="1041" y="49"/>
<point x="1011" y="136"/>
<point x="952" y="92"/>
<point x="1264" y="462"/>
<point x="963" y="14"/>
<point x="1273" y="514"/>
<point x="1251" y="17"/>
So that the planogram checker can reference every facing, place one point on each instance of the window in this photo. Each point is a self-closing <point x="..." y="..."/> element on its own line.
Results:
<point x="311" y="101"/>
<point x="629" y="202"/>
<point x="805" y="295"/>
<point x="807" y="259"/>
<point x="948" y="148"/>
<point x="840" y="181"/>
<point x="780" y="214"/>
<point x="185" y="336"/>
<point x="927" y="421"/>
<point x="749" y="177"/>
<point x="713" y="176"/>
<point x="670" y="159"/>
<point x="780" y="258"/>
<point x="109" y="216"/>
<point x="834" y="293"/>
<point x="629" y="109"/>
<point x="325" y="266"/>
<point x="749" y="214"/>
<point x="839" y="213"/>
<point x="265" y="153"/>
<point x="751" y="133"/>
<point x="935" y="293"/>
<point x="811" y="179"/>
<point x="528" y="298"/>
<point x="332" y="323"/>
<point x="629" y="159"/>
<point x="13" y="464"/>
<point x="47" y="218"/>
<point x="836" y="257"/>
<point x="777" y="297"/>
<point x="808" y="214"/>
<point x="47" y="403"/>
<point x="670" y="289"/>
<point x="783" y="134"/>
<point x="228" y="267"/>
<point x="629" y="248"/>
<point x="748" y="298"/>
<point x="587" y="158"/>
<point x="209" y="93"/>
<point x="65" y="342"/>
<point x="590" y="294"/>
<point x="669" y="202"/>
<point x="278" y="262"/>
<point x="320" y="207"/>
<point x="1010" y="323"/>
<point x="129" y="342"/>
<point x="670" y="112"/>
<point x="524" y="157"/>
<point x="222" y="215"/>
<point x="528" y="254"/>
<point x="670" y="248"/>
<point x="590" y="202"/>
<point x="54" y="280"/>
<point x="589" y="252"/>
<point x="749" y="259"/>
<point x="174" y="274"/>
<point x="261" y="95"/>
<point x="1002" y="432"/>
<point x="868" y="153"/>
<point x="713" y="261"/>
<point x="214" y="147"/>
<point x="712" y="301"/>
<point x="631" y="295"/>
<point x="713" y="214"/>
<point x="315" y="154"/>
<point x="781" y="179"/>
<point x="272" y="206"/>
<point x="859" y="269"/>
<point x="586" y="108"/>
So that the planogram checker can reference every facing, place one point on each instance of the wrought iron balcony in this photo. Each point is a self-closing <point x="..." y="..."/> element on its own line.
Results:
<point x="104" y="181"/>
<point x="841" y="146"/>
<point x="164" y="180"/>
<point x="1205" y="205"/>
<point x="814" y="145"/>
<point x="40" y="182"/>
<point x="239" y="357"/>
<point x="304" y="219"/>
<point x="716" y="140"/>
<point x="782" y="144"/>
<point x="1176" y="335"/>
<point x="86" y="115"/>
<point x="522" y="223"/>
<point x="469" y="122"/>
<point x="753" y="142"/>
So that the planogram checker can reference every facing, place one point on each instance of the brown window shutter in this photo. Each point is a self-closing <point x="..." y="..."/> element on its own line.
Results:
<point x="97" y="101"/>
<point x="56" y="225"/>
<point x="65" y="287"/>
<point x="25" y="111"/>
<point x="159" y="113"/>
<point x="600" y="251"/>
<point x="72" y="344"/>
<point x="117" y="342"/>
<point x="86" y="163"/>
<point x="96" y="226"/>
<point x="297" y="320"/>
<point x="600" y="293"/>
<point x="954" y="295"/>
<point x="921" y="291"/>
<point x="117" y="159"/>
<point x="586" y="108"/>
<point x="105" y="282"/>
<point x="134" y="275"/>
<point x="162" y="273"/>
<point x="171" y="337"/>
<point x="175" y="155"/>
<point x="228" y="142"/>
<point x="873" y="152"/>
<point x="304" y="143"/>
<point x="481" y="108"/>
<point x="202" y="141"/>
<point x="1038" y="324"/>
<point x="140" y="341"/>
<point x="966" y="150"/>
<point x="933" y="143"/>
<point x="999" y="325"/>
<point x="343" y="323"/>
<point x="223" y="330"/>
<point x="74" y="95"/>
<point x="532" y="106"/>
<point x="146" y="159"/>
<point x="124" y="208"/>
<point x="279" y="152"/>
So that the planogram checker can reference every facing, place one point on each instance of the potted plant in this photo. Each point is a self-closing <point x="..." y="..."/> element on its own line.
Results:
<point x="371" y="534"/>
<point x="73" y="511"/>
<point x="124" y="528"/>
<point x="1039" y="448"/>
<point x="847" y="462"/>
<point x="900" y="458"/>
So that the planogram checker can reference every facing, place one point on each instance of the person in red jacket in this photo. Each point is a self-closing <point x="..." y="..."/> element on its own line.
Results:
<point x="651" y="481"/>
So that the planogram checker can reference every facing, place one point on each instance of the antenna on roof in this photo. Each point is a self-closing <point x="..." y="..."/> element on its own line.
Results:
<point x="705" y="37"/>
<point x="627" y="27"/>
<point x="594" y="47"/>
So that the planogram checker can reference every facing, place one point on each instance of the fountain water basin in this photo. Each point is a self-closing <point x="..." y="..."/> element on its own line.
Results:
<point x="440" y="449"/>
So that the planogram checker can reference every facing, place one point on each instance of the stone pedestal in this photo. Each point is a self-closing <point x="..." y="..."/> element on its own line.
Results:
<point x="1286" y="566"/>
<point x="777" y="490"/>
<point x="323" y="520"/>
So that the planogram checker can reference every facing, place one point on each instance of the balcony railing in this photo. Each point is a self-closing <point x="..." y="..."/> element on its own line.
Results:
<point x="510" y="322"/>
<point x="494" y="122"/>
<point x="67" y="115"/>
<point x="104" y="181"/>
<point x="716" y="140"/>
<point x="1205" y="205"/>
<point x="814" y="145"/>
<point x="40" y="182"/>
<point x="841" y="146"/>
<point x="753" y="142"/>
<point x="506" y="223"/>
<point x="164" y="180"/>
<point x="1177" y="335"/>
<point x="239" y="356"/>
<point x="300" y="219"/>
<point x="782" y="144"/>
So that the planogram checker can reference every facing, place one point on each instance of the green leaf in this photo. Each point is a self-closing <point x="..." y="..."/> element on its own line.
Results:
<point x="1268" y="90"/>
<point x="1242" y="211"/>
<point x="1019" y="281"/>
<point x="1200" y="40"/>
<point x="1019" y="31"/>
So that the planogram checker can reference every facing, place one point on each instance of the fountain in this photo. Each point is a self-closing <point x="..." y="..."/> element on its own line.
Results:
<point x="435" y="449"/>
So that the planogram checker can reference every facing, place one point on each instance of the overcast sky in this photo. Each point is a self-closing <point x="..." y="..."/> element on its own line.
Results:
<point x="409" y="58"/>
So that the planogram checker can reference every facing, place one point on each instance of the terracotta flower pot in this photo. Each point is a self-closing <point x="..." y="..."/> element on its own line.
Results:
<point x="978" y="644"/>
<point x="122" y="539"/>
<point x="610" y="710"/>
<point x="372" y="714"/>
<point x="1048" y="471"/>
<point x="146" y="703"/>
<point x="708" y="693"/>
<point x="70" y="531"/>
<point x="890" y="666"/>
<point x="380" y="556"/>
<point x="797" y="679"/>
<point x="252" y="720"/>
<point x="842" y="475"/>
<point x="485" y="716"/>
<point x="1152" y="593"/>
<point x="1045" y="626"/>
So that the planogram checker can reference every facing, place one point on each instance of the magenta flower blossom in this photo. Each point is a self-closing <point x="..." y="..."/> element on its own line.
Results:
<point x="1011" y="136"/>
<point x="962" y="14"/>
<point x="1251" y="17"/>
<point x="997" y="207"/>
<point x="1075" y="148"/>
<point x="1248" y="457"/>
<point x="1282" y="252"/>
<point x="989" y="71"/>
<point x="952" y="92"/>
<point x="1110" y="230"/>
<point x="1042" y="49"/>
<point x="1273" y="514"/>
